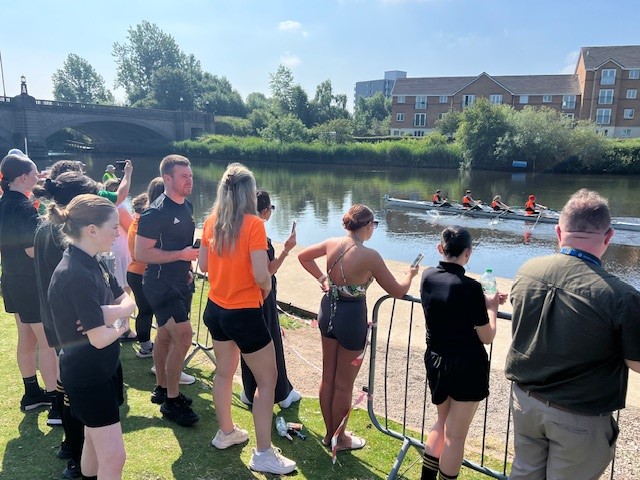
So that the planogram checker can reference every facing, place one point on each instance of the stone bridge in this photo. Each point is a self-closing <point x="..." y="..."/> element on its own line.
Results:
<point x="27" y="123"/>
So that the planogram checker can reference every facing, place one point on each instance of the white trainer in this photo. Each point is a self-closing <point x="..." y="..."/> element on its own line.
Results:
<point x="185" y="378"/>
<point x="271" y="461"/>
<point x="244" y="399"/>
<point x="293" y="397"/>
<point x="225" y="440"/>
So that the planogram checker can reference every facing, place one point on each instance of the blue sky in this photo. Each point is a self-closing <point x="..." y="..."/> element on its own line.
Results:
<point x="341" y="40"/>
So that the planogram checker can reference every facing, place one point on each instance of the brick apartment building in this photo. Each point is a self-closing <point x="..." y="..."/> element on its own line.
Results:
<point x="603" y="89"/>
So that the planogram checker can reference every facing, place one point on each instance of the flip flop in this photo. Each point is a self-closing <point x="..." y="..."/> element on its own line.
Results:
<point x="356" y="444"/>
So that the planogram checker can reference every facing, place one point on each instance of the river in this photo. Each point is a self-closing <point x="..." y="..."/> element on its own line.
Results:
<point x="316" y="197"/>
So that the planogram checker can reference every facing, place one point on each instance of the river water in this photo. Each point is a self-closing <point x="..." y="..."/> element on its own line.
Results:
<point x="317" y="197"/>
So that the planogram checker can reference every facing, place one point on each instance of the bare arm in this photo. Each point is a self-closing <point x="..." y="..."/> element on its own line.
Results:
<point x="145" y="251"/>
<point x="103" y="336"/>
<point x="307" y="258"/>
<point x="125" y="218"/>
<point x="30" y="252"/>
<point x="386" y="279"/>
<point x="486" y="333"/>
<point x="123" y="307"/>
<point x="203" y="258"/>
<point x="125" y="183"/>
<point x="633" y="365"/>
<point x="260" y="265"/>
<point x="275" y="264"/>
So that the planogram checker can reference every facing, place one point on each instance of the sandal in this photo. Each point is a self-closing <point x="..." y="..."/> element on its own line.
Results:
<point x="128" y="336"/>
<point x="356" y="444"/>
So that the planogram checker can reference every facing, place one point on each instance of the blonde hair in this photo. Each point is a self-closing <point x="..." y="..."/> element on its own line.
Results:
<point x="83" y="210"/>
<point x="236" y="196"/>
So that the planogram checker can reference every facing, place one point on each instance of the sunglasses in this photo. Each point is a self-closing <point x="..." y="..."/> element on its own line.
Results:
<point x="375" y="223"/>
<point x="273" y="207"/>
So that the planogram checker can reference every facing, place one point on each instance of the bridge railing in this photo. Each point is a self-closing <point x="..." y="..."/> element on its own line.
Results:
<point x="390" y="386"/>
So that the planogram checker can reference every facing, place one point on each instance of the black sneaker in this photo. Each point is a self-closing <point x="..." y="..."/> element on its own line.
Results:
<point x="31" y="402"/>
<point x="65" y="452"/>
<point x="180" y="412"/>
<point x="159" y="395"/>
<point x="72" y="470"/>
<point x="54" y="419"/>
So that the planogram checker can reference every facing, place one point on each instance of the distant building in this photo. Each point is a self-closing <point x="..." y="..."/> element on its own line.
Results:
<point x="385" y="86"/>
<point x="603" y="89"/>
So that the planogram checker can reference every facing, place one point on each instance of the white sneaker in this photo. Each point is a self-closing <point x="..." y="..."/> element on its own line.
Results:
<point x="223" y="440"/>
<point x="244" y="399"/>
<point x="293" y="397"/>
<point x="185" y="378"/>
<point x="271" y="461"/>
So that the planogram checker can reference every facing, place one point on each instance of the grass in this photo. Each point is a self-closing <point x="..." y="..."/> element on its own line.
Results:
<point x="159" y="450"/>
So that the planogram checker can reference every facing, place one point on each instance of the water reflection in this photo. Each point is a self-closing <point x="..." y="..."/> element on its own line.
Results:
<point x="317" y="196"/>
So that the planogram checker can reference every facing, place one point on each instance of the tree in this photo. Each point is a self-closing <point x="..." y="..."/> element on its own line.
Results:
<point x="285" y="129"/>
<point x="449" y="123"/>
<point x="77" y="81"/>
<point x="281" y="86"/>
<point x="339" y="130"/>
<point x="326" y="106"/>
<point x="371" y="113"/>
<point x="481" y="126"/>
<point x="147" y="50"/>
<point x="257" y="100"/>
<point x="218" y="96"/>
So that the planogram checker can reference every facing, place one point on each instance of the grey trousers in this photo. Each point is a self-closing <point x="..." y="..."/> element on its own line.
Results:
<point x="556" y="444"/>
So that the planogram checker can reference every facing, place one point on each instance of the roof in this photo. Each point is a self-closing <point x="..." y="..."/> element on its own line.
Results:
<point x="626" y="56"/>
<point x="516" y="84"/>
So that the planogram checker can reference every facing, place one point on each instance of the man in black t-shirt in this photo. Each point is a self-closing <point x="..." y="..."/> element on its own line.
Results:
<point x="164" y="241"/>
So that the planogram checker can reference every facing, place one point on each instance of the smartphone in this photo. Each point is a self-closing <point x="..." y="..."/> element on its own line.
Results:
<point x="293" y="228"/>
<point x="417" y="261"/>
<point x="120" y="165"/>
<point x="196" y="244"/>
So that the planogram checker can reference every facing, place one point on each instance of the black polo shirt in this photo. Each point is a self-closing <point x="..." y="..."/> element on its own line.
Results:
<point x="49" y="247"/>
<point x="79" y="287"/>
<point x="453" y="306"/>
<point x="18" y="223"/>
<point x="172" y="226"/>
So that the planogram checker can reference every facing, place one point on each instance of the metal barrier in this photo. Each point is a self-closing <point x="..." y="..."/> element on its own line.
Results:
<point x="202" y="341"/>
<point x="395" y="388"/>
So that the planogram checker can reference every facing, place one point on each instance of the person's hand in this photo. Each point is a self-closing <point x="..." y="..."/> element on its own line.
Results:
<point x="290" y="242"/>
<point x="190" y="277"/>
<point x="492" y="302"/>
<point x="324" y="285"/>
<point x="189" y="254"/>
<point x="503" y="297"/>
<point x="128" y="167"/>
<point x="79" y="328"/>
<point x="413" y="271"/>
<point x="265" y="293"/>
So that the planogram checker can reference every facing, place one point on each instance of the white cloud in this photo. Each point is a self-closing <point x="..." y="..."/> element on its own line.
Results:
<point x="570" y="61"/>
<point x="289" y="25"/>
<point x="290" y="60"/>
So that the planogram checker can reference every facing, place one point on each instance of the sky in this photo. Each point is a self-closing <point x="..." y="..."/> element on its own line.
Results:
<point x="344" y="41"/>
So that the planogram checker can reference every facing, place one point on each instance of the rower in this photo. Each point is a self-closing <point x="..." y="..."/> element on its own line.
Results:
<point x="531" y="207"/>
<point x="499" y="206"/>
<point x="439" y="201"/>
<point x="469" y="203"/>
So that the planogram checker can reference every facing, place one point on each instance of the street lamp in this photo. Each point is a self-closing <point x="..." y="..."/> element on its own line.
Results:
<point x="23" y="85"/>
<point x="181" y="102"/>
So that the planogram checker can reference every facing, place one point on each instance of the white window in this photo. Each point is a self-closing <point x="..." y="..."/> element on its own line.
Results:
<point x="421" y="103"/>
<point x="524" y="99"/>
<point x="568" y="102"/>
<point x="444" y="99"/>
<point x="603" y="116"/>
<point x="547" y="98"/>
<point x="628" y="113"/>
<point x="570" y="116"/>
<point x="396" y="133"/>
<point x="401" y="99"/>
<point x="441" y="116"/>
<point x="399" y="117"/>
<point x="626" y="132"/>
<point x="632" y="93"/>
<point x="468" y="100"/>
<point x="420" y="120"/>
<point x="418" y="133"/>
<point x="605" y="96"/>
<point x="495" y="99"/>
<point x="608" y="76"/>
<point x="634" y="73"/>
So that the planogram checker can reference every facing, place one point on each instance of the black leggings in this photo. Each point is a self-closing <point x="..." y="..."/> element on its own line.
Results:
<point x="145" y="312"/>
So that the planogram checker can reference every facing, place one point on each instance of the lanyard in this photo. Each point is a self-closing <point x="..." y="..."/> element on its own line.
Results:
<point x="582" y="255"/>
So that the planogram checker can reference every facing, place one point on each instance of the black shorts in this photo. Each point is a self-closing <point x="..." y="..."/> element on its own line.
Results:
<point x="245" y="326"/>
<point x="168" y="300"/>
<point x="98" y="405"/>
<point x="463" y="379"/>
<point x="20" y="294"/>
<point x="349" y="324"/>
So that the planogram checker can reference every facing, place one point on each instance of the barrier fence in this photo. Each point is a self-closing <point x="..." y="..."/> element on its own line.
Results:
<point x="390" y="387"/>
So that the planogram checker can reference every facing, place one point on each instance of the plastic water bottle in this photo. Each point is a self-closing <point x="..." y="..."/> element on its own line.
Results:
<point x="281" y="427"/>
<point x="488" y="282"/>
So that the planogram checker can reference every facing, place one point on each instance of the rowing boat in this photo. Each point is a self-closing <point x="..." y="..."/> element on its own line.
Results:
<point x="486" y="212"/>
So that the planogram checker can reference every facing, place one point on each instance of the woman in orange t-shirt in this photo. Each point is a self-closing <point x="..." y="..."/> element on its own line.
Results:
<point x="234" y="254"/>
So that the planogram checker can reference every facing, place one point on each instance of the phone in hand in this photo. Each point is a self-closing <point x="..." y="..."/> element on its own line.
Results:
<point x="120" y="164"/>
<point x="196" y="244"/>
<point x="417" y="261"/>
<point x="293" y="228"/>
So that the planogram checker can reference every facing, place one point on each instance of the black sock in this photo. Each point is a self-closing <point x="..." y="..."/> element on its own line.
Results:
<point x="73" y="431"/>
<point x="31" y="386"/>
<point x="429" y="467"/>
<point x="444" y="476"/>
